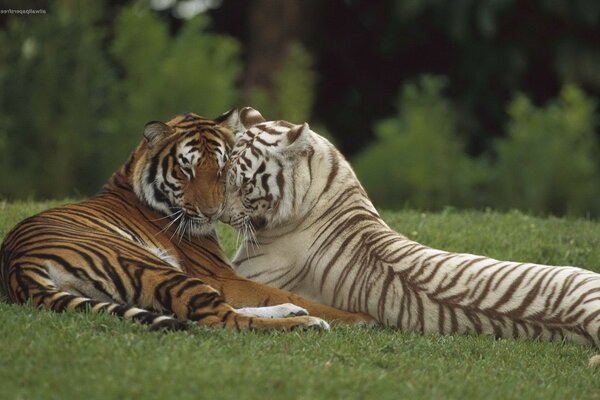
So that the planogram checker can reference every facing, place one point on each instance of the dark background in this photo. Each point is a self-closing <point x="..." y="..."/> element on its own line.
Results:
<point x="466" y="103"/>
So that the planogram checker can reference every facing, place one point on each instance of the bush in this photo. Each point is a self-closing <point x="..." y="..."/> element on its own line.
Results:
<point x="165" y="75"/>
<point x="419" y="158"/>
<point x="291" y="96"/>
<point x="54" y="78"/>
<point x="549" y="161"/>
<point x="75" y="94"/>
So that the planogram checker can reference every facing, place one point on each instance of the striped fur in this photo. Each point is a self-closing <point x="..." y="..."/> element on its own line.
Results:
<point x="308" y="218"/>
<point x="145" y="248"/>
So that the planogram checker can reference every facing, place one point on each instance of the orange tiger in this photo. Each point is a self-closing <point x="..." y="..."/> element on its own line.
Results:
<point x="116" y="252"/>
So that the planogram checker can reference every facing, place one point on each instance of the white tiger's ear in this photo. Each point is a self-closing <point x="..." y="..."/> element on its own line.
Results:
<point x="298" y="138"/>
<point x="155" y="131"/>
<point x="250" y="117"/>
<point x="240" y="121"/>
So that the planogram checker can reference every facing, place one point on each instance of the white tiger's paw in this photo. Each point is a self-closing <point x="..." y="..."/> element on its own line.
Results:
<point x="291" y="310"/>
<point x="317" y="323"/>
<point x="279" y="311"/>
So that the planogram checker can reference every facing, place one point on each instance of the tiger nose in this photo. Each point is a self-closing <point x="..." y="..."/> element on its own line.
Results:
<point x="211" y="213"/>
<point x="225" y="217"/>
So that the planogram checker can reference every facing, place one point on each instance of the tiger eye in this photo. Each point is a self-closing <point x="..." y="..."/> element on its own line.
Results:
<point x="178" y="172"/>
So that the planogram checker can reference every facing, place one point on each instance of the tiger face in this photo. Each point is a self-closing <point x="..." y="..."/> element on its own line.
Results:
<point x="180" y="169"/>
<point x="266" y="178"/>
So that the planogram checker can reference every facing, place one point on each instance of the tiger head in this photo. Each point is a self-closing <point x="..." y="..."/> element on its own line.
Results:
<point x="179" y="169"/>
<point x="268" y="175"/>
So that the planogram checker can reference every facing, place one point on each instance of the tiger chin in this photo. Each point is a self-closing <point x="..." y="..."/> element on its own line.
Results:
<point x="145" y="249"/>
<point x="311" y="229"/>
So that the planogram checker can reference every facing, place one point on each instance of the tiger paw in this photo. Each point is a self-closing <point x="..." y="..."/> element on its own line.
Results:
<point x="169" y="324"/>
<point x="279" y="311"/>
<point x="317" y="324"/>
<point x="291" y="310"/>
<point x="365" y="320"/>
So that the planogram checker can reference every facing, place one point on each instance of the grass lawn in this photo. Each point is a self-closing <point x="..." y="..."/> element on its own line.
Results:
<point x="81" y="356"/>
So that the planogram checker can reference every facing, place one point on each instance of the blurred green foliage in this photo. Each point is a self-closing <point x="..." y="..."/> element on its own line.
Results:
<point x="54" y="80"/>
<point x="164" y="75"/>
<point x="76" y="95"/>
<point x="419" y="158"/>
<point x="292" y="95"/>
<point x="491" y="128"/>
<point x="549" y="162"/>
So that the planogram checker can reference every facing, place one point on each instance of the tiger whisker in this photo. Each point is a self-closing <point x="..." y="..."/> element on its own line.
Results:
<point x="176" y="232"/>
<point x="245" y="236"/>
<point x="181" y="230"/>
<point x="252" y="237"/>
<point x="237" y="238"/>
<point x="165" y="217"/>
<point x="189" y="229"/>
<point x="245" y="233"/>
<point x="170" y="223"/>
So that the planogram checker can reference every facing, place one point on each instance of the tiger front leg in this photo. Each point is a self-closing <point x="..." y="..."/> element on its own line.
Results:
<point x="245" y="293"/>
<point x="212" y="310"/>
<point x="192" y="299"/>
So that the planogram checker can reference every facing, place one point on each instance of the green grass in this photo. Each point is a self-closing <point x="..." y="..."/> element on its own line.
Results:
<point x="49" y="356"/>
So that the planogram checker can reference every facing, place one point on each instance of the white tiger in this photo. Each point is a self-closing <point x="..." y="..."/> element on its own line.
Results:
<point x="310" y="228"/>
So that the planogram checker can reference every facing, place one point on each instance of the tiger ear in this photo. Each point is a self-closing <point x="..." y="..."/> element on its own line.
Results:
<point x="297" y="131"/>
<point x="231" y="121"/>
<point x="298" y="138"/>
<point x="250" y="117"/>
<point x="227" y="118"/>
<point x="240" y="121"/>
<point x="155" y="131"/>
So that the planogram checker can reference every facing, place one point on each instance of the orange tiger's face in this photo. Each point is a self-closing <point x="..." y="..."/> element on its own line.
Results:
<point x="180" y="170"/>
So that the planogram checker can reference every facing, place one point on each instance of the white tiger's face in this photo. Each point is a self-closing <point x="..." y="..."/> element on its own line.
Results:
<point x="259" y="193"/>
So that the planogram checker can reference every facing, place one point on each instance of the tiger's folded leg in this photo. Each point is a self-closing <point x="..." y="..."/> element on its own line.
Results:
<point x="35" y="284"/>
<point x="135" y="289"/>
<point x="192" y="299"/>
<point x="241" y="292"/>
